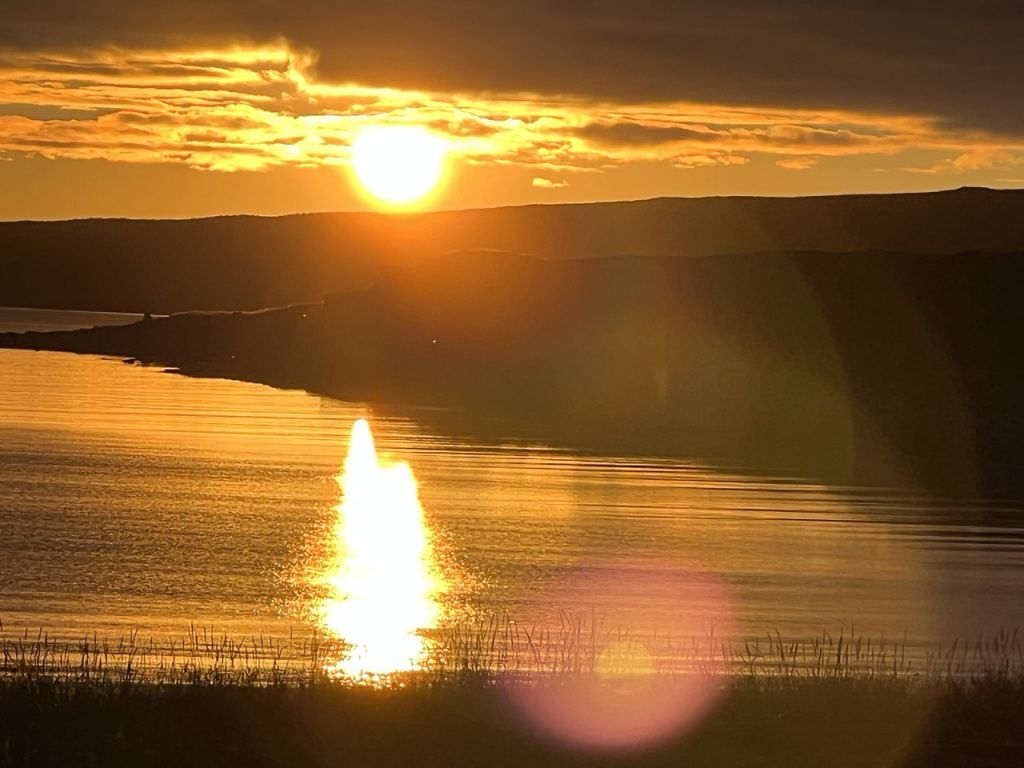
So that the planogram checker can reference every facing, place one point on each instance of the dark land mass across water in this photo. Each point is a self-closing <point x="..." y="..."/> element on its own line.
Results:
<point x="249" y="262"/>
<point x="878" y="368"/>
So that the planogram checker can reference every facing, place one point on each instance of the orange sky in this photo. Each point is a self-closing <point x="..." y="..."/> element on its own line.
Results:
<point x="116" y="131"/>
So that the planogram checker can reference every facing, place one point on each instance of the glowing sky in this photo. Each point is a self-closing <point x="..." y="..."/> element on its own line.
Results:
<point x="206" y="109"/>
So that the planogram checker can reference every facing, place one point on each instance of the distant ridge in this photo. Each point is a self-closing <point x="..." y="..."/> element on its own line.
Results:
<point x="247" y="262"/>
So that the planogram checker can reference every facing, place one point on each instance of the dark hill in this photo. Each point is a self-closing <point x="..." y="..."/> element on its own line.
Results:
<point x="247" y="262"/>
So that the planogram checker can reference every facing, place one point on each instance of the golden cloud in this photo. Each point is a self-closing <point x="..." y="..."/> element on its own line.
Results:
<point x="257" y="108"/>
<point x="978" y="159"/>
<point x="541" y="182"/>
<point x="797" y="163"/>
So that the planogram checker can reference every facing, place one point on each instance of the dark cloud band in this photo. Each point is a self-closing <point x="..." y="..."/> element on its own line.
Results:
<point x="957" y="61"/>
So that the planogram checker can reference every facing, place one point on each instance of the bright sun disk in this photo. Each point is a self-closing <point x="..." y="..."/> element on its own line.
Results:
<point x="398" y="164"/>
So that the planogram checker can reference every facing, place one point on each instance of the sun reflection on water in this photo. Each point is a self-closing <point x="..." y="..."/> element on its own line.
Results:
<point x="383" y="584"/>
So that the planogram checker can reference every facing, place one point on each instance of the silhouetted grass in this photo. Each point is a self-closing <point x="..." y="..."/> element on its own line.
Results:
<point x="502" y="649"/>
<point x="766" y="721"/>
<point x="209" y="699"/>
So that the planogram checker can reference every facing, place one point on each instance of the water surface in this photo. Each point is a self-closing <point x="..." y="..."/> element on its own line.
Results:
<point x="135" y="498"/>
<point x="19" y="320"/>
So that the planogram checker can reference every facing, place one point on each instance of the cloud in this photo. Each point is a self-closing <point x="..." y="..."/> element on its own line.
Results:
<point x="541" y="182"/>
<point x="983" y="159"/>
<point x="710" y="158"/>
<point x="638" y="134"/>
<point x="980" y="159"/>
<point x="797" y="163"/>
<point x="257" y="108"/>
<point x="955" y="61"/>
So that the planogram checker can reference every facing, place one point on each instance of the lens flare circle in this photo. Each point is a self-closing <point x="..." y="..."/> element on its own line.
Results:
<point x="398" y="164"/>
<point x="636" y="696"/>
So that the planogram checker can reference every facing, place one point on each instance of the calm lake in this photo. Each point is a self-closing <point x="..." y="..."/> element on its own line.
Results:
<point x="131" y="498"/>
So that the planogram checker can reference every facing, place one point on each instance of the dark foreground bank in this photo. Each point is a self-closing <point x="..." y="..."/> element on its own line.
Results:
<point x="787" y="723"/>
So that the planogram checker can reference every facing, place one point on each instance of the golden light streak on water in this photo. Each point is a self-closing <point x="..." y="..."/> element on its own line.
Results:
<point x="384" y="584"/>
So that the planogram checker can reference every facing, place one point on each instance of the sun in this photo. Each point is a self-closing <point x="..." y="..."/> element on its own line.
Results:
<point x="399" y="165"/>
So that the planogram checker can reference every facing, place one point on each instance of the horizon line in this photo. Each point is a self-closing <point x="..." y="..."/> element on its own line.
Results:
<point x="437" y="211"/>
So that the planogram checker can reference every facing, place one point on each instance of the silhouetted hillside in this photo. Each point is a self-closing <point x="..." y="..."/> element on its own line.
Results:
<point x="249" y="262"/>
<point x="874" y="367"/>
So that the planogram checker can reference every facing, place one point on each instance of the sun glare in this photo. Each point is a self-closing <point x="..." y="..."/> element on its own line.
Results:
<point x="384" y="585"/>
<point x="398" y="165"/>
